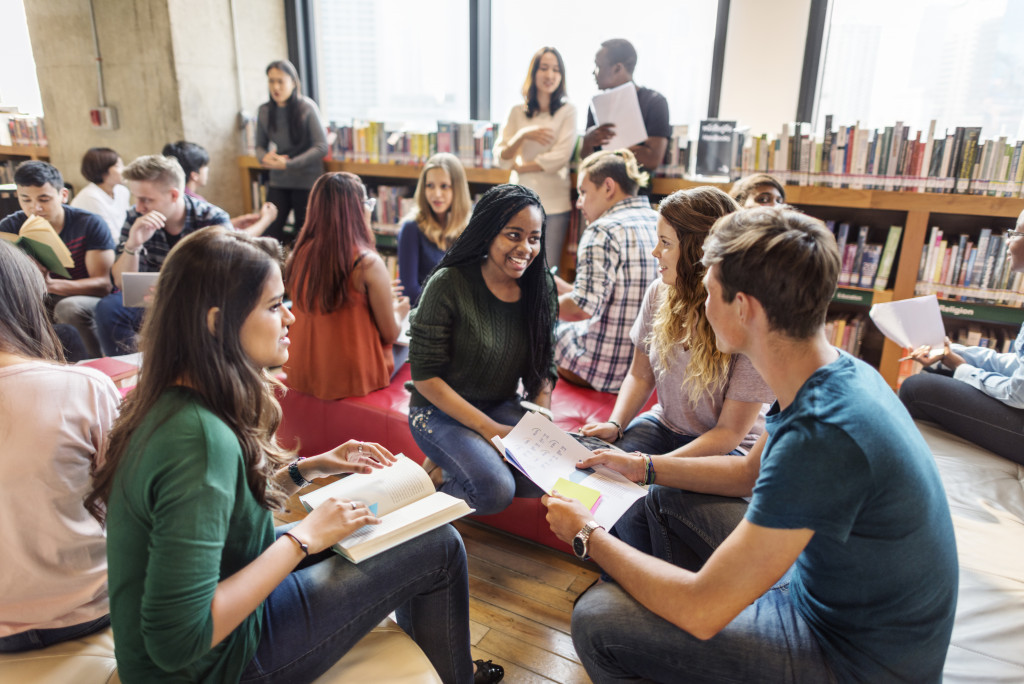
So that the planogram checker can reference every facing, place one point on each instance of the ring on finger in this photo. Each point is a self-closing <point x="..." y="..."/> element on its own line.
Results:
<point x="360" y="447"/>
<point x="353" y="505"/>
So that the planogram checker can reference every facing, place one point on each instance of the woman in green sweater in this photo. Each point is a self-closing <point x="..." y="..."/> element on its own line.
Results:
<point x="484" y="323"/>
<point x="202" y="587"/>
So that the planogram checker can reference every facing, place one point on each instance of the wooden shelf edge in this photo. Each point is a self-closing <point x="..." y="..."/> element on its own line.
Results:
<point x="30" y="151"/>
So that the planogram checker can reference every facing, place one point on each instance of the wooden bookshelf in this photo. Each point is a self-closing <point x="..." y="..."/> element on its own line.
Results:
<point x="918" y="208"/>
<point x="33" y="152"/>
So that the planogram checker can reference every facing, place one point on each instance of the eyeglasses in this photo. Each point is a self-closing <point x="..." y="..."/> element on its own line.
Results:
<point x="369" y="203"/>
<point x="1014" y="233"/>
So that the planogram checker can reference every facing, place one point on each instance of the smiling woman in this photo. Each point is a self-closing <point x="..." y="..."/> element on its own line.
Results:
<point x="484" y="324"/>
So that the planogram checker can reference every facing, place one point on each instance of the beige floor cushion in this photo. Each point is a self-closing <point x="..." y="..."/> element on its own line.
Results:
<point x="986" y="498"/>
<point x="385" y="656"/>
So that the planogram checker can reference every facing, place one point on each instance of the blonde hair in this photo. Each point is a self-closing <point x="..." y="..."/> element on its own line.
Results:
<point x="458" y="214"/>
<point x="156" y="168"/>
<point x="619" y="165"/>
<point x="681" y="318"/>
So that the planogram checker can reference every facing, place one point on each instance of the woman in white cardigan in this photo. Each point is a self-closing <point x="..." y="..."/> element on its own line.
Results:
<point x="538" y="141"/>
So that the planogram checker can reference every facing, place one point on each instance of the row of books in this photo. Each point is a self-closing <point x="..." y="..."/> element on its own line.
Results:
<point x="865" y="264"/>
<point x="22" y="129"/>
<point x="7" y="172"/>
<point x="394" y="202"/>
<point x="374" y="142"/>
<point x="960" y="268"/>
<point x="889" y="158"/>
<point x="846" y="331"/>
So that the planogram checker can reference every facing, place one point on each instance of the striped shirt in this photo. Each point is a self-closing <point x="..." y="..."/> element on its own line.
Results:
<point x="198" y="214"/>
<point x="614" y="266"/>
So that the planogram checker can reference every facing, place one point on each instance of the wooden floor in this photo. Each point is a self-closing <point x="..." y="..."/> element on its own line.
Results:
<point x="520" y="603"/>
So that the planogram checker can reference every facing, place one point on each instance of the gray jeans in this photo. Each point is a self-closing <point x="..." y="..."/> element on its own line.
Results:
<point x="77" y="311"/>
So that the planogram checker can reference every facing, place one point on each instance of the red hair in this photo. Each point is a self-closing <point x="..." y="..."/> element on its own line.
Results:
<point x="334" y="235"/>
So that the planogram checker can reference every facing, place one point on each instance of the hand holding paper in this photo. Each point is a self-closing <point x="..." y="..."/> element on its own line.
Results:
<point x="620" y="106"/>
<point x="911" y="323"/>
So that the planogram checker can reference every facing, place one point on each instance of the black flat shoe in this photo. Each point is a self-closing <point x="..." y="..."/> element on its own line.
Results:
<point x="487" y="672"/>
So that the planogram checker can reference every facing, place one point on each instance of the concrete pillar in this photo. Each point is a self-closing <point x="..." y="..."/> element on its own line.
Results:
<point x="169" y="69"/>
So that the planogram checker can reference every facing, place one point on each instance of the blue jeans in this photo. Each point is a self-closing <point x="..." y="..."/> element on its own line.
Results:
<point x="473" y="469"/>
<point x="117" y="325"/>
<point x="328" y="604"/>
<point x="617" y="639"/>
<point x="646" y="435"/>
<point x="33" y="639"/>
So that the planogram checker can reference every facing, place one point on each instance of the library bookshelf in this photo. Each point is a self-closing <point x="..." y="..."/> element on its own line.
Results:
<point x="915" y="211"/>
<point x="23" y="152"/>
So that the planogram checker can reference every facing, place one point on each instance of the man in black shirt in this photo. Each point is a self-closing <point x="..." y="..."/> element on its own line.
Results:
<point x="613" y="66"/>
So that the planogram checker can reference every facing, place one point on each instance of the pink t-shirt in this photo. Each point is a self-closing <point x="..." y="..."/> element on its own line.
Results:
<point x="54" y="421"/>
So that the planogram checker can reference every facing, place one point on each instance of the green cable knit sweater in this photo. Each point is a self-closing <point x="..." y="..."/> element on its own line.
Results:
<point x="463" y="334"/>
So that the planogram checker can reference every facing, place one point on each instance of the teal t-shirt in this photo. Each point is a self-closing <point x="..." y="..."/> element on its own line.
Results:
<point x="181" y="518"/>
<point x="878" y="581"/>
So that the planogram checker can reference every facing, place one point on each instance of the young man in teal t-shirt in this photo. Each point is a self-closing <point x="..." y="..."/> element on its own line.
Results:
<point x="843" y="565"/>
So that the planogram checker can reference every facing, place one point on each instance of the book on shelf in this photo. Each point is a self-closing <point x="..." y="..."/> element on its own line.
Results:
<point x="22" y="129"/>
<point x="401" y="495"/>
<point x="865" y="264"/>
<point x="548" y="455"/>
<point x="715" y="146"/>
<point x="846" y="331"/>
<point x="957" y="268"/>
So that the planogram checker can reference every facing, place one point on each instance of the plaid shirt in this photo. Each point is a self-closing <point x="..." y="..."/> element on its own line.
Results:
<point x="614" y="266"/>
<point x="198" y="214"/>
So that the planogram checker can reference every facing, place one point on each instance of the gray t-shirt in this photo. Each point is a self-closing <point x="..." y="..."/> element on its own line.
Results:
<point x="674" y="409"/>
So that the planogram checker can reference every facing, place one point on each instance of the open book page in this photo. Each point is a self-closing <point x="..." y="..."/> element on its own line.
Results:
<point x="383" y="490"/>
<point x="40" y="241"/>
<point x="545" y="453"/>
<point x="911" y="323"/>
<point x="402" y="525"/>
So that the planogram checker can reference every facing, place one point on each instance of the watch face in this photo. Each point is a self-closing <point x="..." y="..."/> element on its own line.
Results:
<point x="579" y="548"/>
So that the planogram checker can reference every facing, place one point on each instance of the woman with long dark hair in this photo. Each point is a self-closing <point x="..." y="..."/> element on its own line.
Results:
<point x="483" y="325"/>
<point x="537" y="143"/>
<point x="291" y="142"/>
<point x="345" y="315"/>
<point x="709" y="402"/>
<point x="54" y="420"/>
<point x="202" y="587"/>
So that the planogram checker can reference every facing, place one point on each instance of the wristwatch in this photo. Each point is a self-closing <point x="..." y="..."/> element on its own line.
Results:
<point x="581" y="542"/>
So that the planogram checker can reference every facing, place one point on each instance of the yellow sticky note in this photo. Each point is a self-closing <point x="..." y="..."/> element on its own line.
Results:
<point x="572" y="490"/>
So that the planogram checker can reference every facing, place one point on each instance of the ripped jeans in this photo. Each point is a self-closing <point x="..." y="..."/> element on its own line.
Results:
<point x="473" y="469"/>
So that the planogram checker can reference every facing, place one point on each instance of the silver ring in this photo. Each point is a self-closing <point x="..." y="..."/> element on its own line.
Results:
<point x="360" y="447"/>
<point x="353" y="505"/>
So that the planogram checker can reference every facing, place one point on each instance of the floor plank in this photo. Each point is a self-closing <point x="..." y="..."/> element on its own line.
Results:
<point x="536" y="660"/>
<point x="530" y="631"/>
<point x="514" y="674"/>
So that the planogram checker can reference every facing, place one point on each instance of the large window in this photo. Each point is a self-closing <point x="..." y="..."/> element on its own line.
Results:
<point x="960" y="62"/>
<point x="674" y="42"/>
<point x="400" y="61"/>
<point x="18" y="85"/>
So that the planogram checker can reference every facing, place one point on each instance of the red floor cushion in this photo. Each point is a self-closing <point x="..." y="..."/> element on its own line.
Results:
<point x="313" y="426"/>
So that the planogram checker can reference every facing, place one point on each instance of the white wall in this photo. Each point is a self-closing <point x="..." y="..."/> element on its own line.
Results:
<point x="764" y="56"/>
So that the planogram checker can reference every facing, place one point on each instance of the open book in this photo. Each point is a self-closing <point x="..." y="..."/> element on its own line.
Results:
<point x="401" y="495"/>
<point x="40" y="241"/>
<point x="548" y="455"/>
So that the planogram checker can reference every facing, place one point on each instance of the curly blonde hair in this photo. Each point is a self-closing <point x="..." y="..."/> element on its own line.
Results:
<point x="680" y="318"/>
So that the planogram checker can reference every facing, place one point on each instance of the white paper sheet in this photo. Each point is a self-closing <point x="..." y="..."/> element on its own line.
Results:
<point x="621" y="107"/>
<point x="911" y="323"/>
<point x="545" y="453"/>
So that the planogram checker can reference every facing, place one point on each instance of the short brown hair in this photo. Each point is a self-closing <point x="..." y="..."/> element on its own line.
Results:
<point x="786" y="260"/>
<point x="97" y="162"/>
<point x="158" y="169"/>
<point x="619" y="165"/>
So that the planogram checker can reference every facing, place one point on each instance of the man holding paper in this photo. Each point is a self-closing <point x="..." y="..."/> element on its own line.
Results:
<point x="819" y="577"/>
<point x="613" y="68"/>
